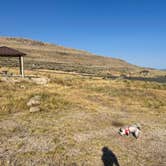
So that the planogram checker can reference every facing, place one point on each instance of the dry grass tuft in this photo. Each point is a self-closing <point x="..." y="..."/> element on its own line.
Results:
<point x="81" y="115"/>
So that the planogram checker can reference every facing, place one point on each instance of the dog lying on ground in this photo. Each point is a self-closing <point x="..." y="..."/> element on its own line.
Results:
<point x="133" y="129"/>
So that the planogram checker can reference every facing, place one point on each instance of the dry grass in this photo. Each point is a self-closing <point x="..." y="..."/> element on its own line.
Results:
<point x="80" y="115"/>
<point x="48" y="56"/>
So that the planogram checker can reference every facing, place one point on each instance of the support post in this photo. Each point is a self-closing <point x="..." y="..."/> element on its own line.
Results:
<point x="21" y="59"/>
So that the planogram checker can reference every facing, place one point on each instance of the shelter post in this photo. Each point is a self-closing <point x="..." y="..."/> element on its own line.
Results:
<point x="21" y="59"/>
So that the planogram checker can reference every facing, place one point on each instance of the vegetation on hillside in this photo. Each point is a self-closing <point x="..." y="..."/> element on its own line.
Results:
<point x="48" y="56"/>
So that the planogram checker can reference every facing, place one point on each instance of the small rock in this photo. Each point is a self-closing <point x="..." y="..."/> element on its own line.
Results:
<point x="22" y="86"/>
<point x="41" y="80"/>
<point x="34" y="109"/>
<point x="10" y="79"/>
<point x="34" y="101"/>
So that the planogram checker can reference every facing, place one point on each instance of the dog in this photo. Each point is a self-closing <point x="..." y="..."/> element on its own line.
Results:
<point x="133" y="129"/>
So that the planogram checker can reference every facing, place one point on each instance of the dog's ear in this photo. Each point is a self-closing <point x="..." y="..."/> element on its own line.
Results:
<point x="139" y="127"/>
<point x="120" y="130"/>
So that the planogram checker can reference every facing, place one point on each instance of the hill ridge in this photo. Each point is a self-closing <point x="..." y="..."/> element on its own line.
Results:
<point x="51" y="56"/>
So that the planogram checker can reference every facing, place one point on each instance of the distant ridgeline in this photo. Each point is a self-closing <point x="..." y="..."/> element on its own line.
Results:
<point x="42" y="55"/>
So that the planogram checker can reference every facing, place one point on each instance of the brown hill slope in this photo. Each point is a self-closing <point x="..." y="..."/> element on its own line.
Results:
<point x="50" y="56"/>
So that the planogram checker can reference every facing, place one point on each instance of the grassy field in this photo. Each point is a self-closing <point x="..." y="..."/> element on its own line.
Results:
<point x="80" y="115"/>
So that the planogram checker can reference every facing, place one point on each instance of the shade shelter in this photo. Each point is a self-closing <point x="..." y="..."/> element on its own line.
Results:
<point x="10" y="52"/>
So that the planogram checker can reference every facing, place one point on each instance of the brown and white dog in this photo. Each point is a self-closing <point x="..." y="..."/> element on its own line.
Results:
<point x="133" y="129"/>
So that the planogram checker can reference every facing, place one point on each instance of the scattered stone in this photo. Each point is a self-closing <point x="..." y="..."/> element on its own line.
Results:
<point x="34" y="101"/>
<point x="41" y="80"/>
<point x="34" y="109"/>
<point x="22" y="86"/>
<point x="10" y="80"/>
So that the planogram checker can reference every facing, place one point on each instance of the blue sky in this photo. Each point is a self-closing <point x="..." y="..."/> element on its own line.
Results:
<point x="133" y="30"/>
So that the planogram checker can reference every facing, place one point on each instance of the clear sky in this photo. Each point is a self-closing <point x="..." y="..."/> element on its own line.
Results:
<point x="133" y="30"/>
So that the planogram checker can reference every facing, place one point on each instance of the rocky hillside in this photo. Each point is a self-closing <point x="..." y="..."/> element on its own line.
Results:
<point x="49" y="56"/>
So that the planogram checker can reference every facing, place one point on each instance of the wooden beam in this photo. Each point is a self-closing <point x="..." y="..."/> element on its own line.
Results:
<point x="21" y="59"/>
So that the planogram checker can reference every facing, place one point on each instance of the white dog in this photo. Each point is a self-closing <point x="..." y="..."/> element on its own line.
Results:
<point x="133" y="129"/>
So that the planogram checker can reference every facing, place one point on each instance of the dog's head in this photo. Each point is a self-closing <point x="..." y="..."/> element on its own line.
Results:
<point x="121" y="131"/>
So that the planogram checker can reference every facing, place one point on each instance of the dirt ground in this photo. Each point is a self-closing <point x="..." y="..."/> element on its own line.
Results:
<point x="79" y="120"/>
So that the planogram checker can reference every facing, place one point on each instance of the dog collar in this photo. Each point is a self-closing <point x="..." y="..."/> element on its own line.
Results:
<point x="127" y="131"/>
